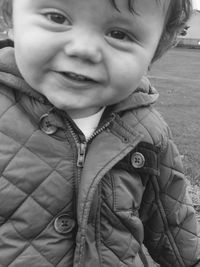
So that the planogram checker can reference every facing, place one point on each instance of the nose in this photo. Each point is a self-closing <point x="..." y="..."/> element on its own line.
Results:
<point x="84" y="46"/>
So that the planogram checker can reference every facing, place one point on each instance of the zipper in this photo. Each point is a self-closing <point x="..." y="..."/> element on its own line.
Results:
<point x="82" y="147"/>
<point x="82" y="143"/>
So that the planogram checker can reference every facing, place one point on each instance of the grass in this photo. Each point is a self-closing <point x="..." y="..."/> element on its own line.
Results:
<point x="177" y="78"/>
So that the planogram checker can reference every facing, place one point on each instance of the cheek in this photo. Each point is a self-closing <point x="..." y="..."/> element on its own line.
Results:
<point x="128" y="73"/>
<point x="31" y="44"/>
<point x="31" y="57"/>
<point x="29" y="65"/>
<point x="25" y="60"/>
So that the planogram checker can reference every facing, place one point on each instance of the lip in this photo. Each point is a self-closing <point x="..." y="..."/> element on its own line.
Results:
<point x="76" y="83"/>
<point x="77" y="77"/>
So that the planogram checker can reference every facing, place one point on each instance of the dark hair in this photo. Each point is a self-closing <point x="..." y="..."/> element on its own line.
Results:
<point x="6" y="12"/>
<point x="177" y="16"/>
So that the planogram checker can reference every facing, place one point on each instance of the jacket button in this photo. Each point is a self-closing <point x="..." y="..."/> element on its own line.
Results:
<point x="64" y="224"/>
<point x="137" y="160"/>
<point x="45" y="125"/>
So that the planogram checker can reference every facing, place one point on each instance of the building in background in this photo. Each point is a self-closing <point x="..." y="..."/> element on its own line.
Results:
<point x="192" y="38"/>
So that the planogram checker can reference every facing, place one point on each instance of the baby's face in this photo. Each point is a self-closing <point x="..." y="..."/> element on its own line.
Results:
<point x="84" y="54"/>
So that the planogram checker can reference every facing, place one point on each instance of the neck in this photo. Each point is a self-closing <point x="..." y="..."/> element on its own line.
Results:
<point x="82" y="113"/>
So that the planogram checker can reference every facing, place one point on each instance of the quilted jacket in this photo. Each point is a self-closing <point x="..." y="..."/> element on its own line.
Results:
<point x="66" y="202"/>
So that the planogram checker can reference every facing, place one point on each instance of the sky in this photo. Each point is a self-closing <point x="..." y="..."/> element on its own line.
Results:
<point x="196" y="4"/>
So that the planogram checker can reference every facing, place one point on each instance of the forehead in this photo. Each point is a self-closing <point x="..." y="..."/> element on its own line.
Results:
<point x="124" y="8"/>
<point x="134" y="5"/>
<point x="131" y="4"/>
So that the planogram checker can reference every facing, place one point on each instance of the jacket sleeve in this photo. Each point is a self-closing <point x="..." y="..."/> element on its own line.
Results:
<point x="172" y="233"/>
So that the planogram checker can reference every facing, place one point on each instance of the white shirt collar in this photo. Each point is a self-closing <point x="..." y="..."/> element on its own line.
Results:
<point x="89" y="124"/>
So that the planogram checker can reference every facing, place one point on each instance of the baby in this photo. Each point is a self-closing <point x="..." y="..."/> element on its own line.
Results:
<point x="90" y="176"/>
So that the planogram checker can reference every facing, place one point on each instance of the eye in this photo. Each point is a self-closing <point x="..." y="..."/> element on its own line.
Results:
<point x="57" y="18"/>
<point x="120" y="35"/>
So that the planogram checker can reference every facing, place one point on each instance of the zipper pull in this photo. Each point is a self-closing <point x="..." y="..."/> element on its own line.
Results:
<point x="81" y="154"/>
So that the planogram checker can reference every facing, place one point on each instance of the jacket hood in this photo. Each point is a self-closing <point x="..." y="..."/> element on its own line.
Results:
<point x="10" y="76"/>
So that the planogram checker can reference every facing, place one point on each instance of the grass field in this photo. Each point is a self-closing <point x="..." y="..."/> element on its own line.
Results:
<point x="177" y="78"/>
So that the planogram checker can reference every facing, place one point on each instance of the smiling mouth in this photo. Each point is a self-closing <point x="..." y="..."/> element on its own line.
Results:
<point x="77" y="77"/>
